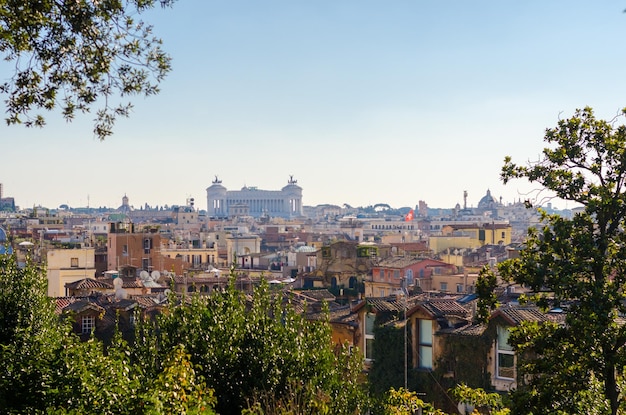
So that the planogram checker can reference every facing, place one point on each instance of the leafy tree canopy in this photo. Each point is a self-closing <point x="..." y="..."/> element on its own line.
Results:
<point x="578" y="264"/>
<point x="46" y="368"/>
<point x="75" y="55"/>
<point x="259" y="354"/>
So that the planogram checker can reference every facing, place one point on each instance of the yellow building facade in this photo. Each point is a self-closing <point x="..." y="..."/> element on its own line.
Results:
<point x="68" y="265"/>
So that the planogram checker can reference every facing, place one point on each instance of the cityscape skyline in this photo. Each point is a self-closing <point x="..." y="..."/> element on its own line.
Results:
<point x="125" y="203"/>
<point x="361" y="102"/>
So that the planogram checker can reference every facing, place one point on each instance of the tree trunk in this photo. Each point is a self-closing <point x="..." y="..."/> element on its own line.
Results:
<point x="610" y="386"/>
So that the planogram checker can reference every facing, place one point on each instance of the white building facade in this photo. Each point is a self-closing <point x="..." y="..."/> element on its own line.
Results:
<point x="285" y="203"/>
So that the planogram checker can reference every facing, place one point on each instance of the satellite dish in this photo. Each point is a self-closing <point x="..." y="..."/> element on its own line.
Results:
<point x="155" y="276"/>
<point x="167" y="292"/>
<point x="121" y="294"/>
<point x="117" y="283"/>
<point x="144" y="275"/>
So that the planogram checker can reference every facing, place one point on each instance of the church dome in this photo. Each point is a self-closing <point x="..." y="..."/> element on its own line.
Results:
<point x="487" y="202"/>
<point x="125" y="207"/>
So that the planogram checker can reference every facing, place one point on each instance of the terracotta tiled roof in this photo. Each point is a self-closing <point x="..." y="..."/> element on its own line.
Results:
<point x="125" y="304"/>
<point x="82" y="305"/>
<point x="341" y="317"/>
<point x="470" y="330"/>
<point x="88" y="283"/>
<point x="62" y="302"/>
<point x="337" y="314"/>
<point x="146" y="301"/>
<point x="515" y="315"/>
<point x="127" y="282"/>
<point x="389" y="304"/>
<point x="441" y="308"/>
<point x="131" y="283"/>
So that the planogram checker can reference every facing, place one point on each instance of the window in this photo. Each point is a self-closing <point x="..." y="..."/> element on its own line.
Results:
<point x="396" y="273"/>
<point x="425" y="346"/>
<point x="382" y="292"/>
<point x="503" y="234"/>
<point x="74" y="262"/>
<point x="459" y="288"/>
<point x="444" y="286"/>
<point x="506" y="356"/>
<point x="125" y="250"/>
<point x="88" y="323"/>
<point x="369" y="336"/>
<point x="366" y="251"/>
<point x="381" y="274"/>
<point x="409" y="277"/>
<point x="147" y="244"/>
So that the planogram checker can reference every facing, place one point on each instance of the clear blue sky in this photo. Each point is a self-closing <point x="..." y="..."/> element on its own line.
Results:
<point x="362" y="101"/>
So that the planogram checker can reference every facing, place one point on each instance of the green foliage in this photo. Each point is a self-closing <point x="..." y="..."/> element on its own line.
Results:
<point x="490" y="403"/>
<point x="45" y="368"/>
<point x="387" y="370"/>
<point x="29" y="336"/>
<point x="487" y="299"/>
<point x="74" y="55"/>
<point x="24" y="305"/>
<point x="467" y="358"/>
<point x="92" y="381"/>
<point x="404" y="402"/>
<point x="298" y="399"/>
<point x="176" y="390"/>
<point x="548" y="349"/>
<point x="577" y="263"/>
<point x="256" y="351"/>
